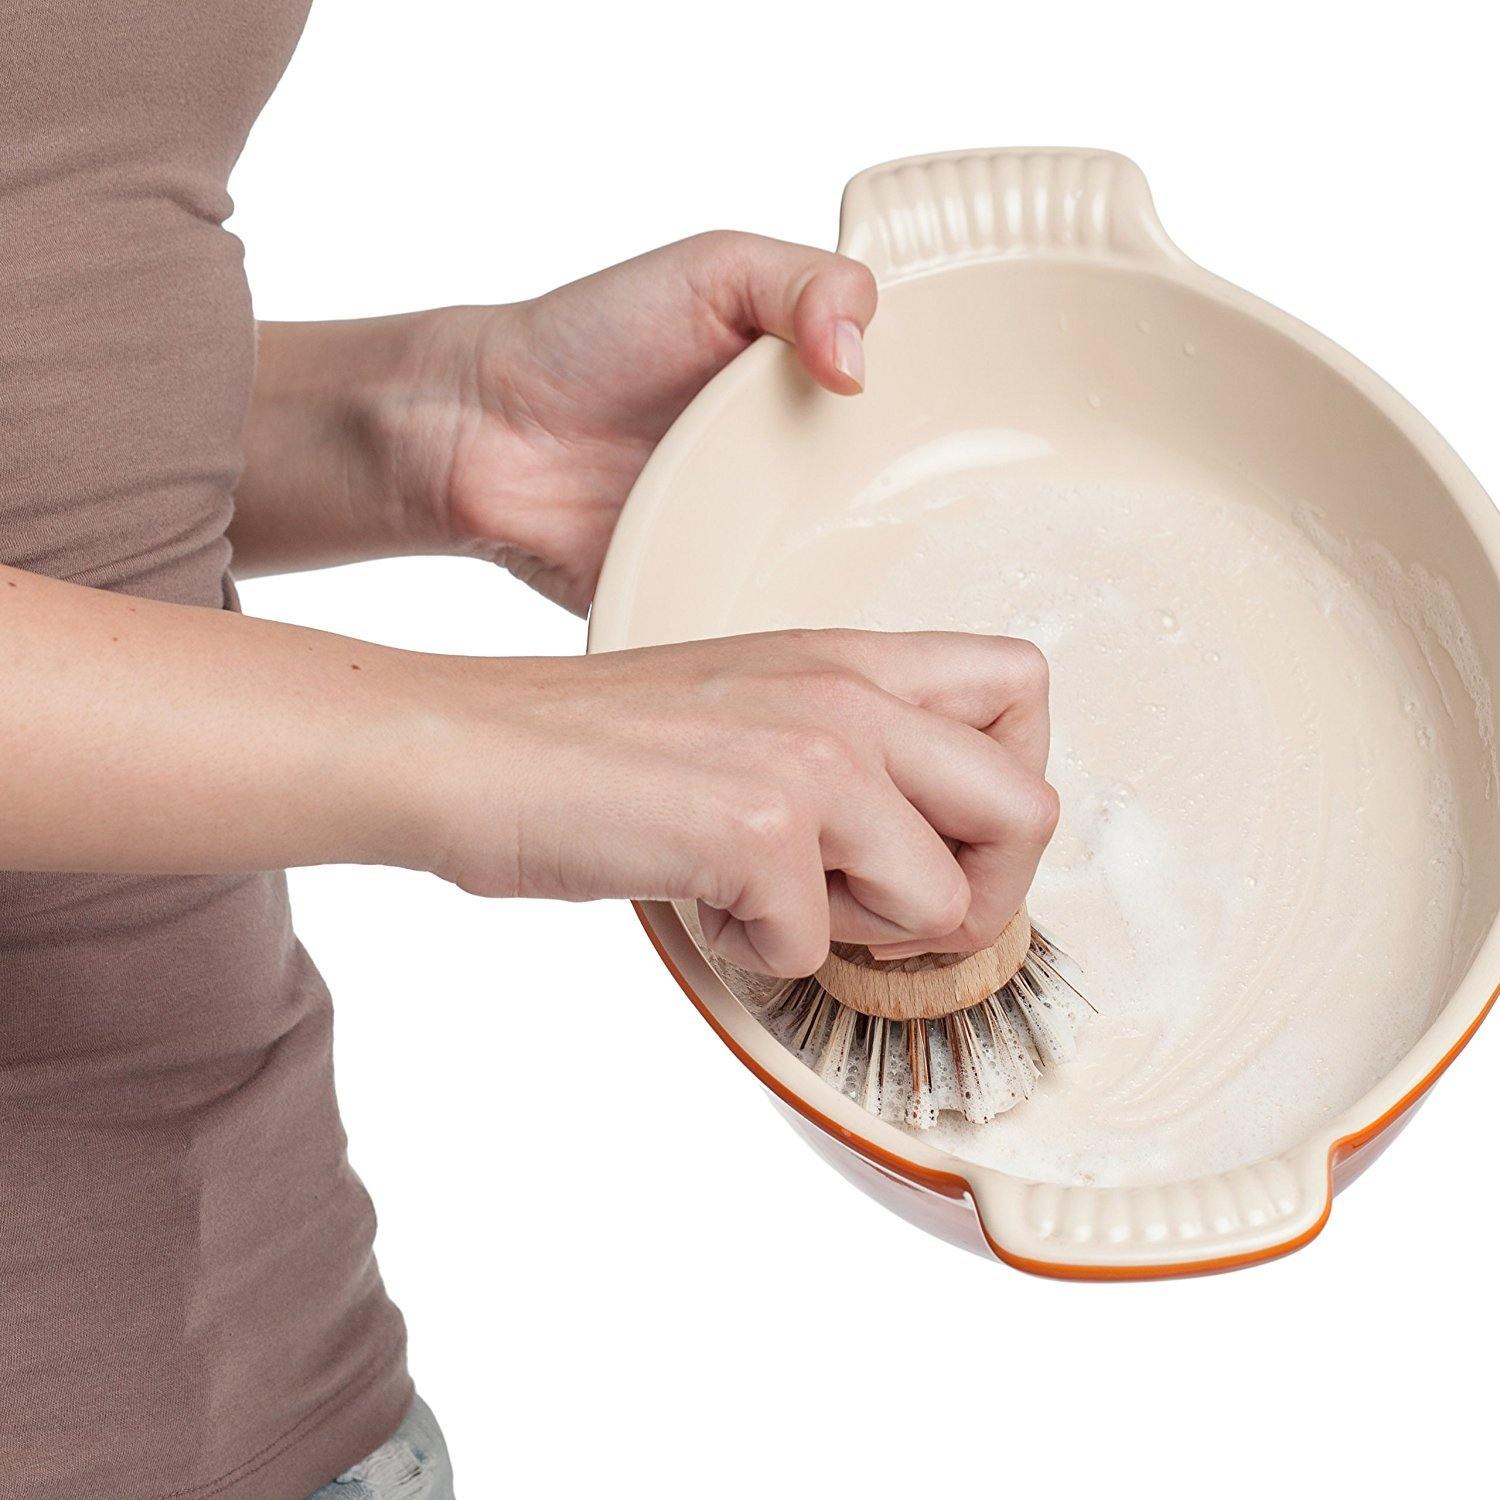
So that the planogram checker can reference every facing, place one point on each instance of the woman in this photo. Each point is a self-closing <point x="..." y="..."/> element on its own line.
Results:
<point x="190" y="1306"/>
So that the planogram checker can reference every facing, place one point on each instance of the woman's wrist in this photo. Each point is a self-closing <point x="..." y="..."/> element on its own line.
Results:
<point x="350" y="438"/>
<point x="443" y="770"/>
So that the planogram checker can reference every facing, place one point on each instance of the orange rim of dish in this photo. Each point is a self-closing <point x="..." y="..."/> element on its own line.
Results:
<point x="951" y="1185"/>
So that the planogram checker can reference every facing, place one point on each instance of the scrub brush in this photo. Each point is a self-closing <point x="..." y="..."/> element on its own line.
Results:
<point x="906" y="1038"/>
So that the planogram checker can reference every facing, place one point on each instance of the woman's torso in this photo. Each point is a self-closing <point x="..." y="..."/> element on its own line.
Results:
<point x="188" y="1301"/>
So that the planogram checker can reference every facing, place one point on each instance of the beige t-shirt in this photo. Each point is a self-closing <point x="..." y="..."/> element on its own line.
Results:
<point x="189" y="1306"/>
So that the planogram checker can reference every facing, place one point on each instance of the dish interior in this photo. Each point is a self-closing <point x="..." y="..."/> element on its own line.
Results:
<point x="1272" y="635"/>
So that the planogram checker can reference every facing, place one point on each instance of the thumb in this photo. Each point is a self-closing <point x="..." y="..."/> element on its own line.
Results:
<point x="817" y="301"/>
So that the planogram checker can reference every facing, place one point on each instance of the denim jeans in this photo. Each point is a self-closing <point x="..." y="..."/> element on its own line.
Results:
<point x="412" y="1466"/>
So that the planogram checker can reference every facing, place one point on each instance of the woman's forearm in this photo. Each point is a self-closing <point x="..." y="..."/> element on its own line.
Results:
<point x="349" y="424"/>
<point x="147" y="738"/>
<point x="144" y="737"/>
<point x="515" y="433"/>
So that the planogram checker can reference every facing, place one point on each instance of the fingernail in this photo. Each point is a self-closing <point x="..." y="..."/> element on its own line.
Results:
<point x="849" y="351"/>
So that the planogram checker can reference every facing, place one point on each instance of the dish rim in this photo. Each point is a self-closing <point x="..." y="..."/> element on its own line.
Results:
<point x="1218" y="1222"/>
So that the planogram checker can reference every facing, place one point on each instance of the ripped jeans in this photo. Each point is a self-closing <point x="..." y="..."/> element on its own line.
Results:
<point x="412" y="1466"/>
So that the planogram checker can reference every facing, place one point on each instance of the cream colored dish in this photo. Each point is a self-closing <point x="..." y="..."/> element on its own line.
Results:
<point x="1271" y="594"/>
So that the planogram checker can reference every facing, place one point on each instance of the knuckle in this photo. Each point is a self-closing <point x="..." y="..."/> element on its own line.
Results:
<point x="716" y="874"/>
<point x="1039" y="811"/>
<point x="821" y="645"/>
<point x="803" y="956"/>
<point x="841" y="691"/>
<point x="860" y="277"/>
<point x="720" y="884"/>
<point x="715" y="243"/>
<point x="712" y="920"/>
<point x="852" y="282"/>
<point x="1032" y="671"/>
<point x="943" y="912"/>
<point x="817" y="752"/>
<point x="765" y="822"/>
<point x="972" y="936"/>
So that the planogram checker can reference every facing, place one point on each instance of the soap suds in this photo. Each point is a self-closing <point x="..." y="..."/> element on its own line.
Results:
<point x="1258" y="865"/>
<point x="1429" y="609"/>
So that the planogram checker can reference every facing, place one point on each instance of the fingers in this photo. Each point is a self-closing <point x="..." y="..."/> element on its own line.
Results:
<point x="789" y="938"/>
<point x="815" y="300"/>
<point x="991" y="682"/>
<point x="833" y="851"/>
<point x="985" y="790"/>
<point x="829" y="316"/>
<point x="899" y="800"/>
<point x="772" y="916"/>
<point x="981" y="793"/>
<point x="893" y="874"/>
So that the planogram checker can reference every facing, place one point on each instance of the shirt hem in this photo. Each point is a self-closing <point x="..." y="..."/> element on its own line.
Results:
<point x="319" y="1448"/>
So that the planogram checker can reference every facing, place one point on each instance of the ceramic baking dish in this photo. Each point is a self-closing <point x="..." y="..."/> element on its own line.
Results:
<point x="1057" y="258"/>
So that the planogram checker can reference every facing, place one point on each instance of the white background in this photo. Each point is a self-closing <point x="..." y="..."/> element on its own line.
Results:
<point x="665" y="1292"/>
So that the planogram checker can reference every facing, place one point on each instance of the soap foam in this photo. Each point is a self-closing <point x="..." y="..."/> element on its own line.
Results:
<point x="1257" y="867"/>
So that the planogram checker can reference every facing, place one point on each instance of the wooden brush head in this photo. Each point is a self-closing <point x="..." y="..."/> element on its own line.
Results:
<point x="926" y="987"/>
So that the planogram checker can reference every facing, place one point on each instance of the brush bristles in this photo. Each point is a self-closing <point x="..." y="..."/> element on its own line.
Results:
<point x="980" y="1062"/>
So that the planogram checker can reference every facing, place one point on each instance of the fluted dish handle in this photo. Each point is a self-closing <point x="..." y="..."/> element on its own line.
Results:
<point x="916" y="215"/>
